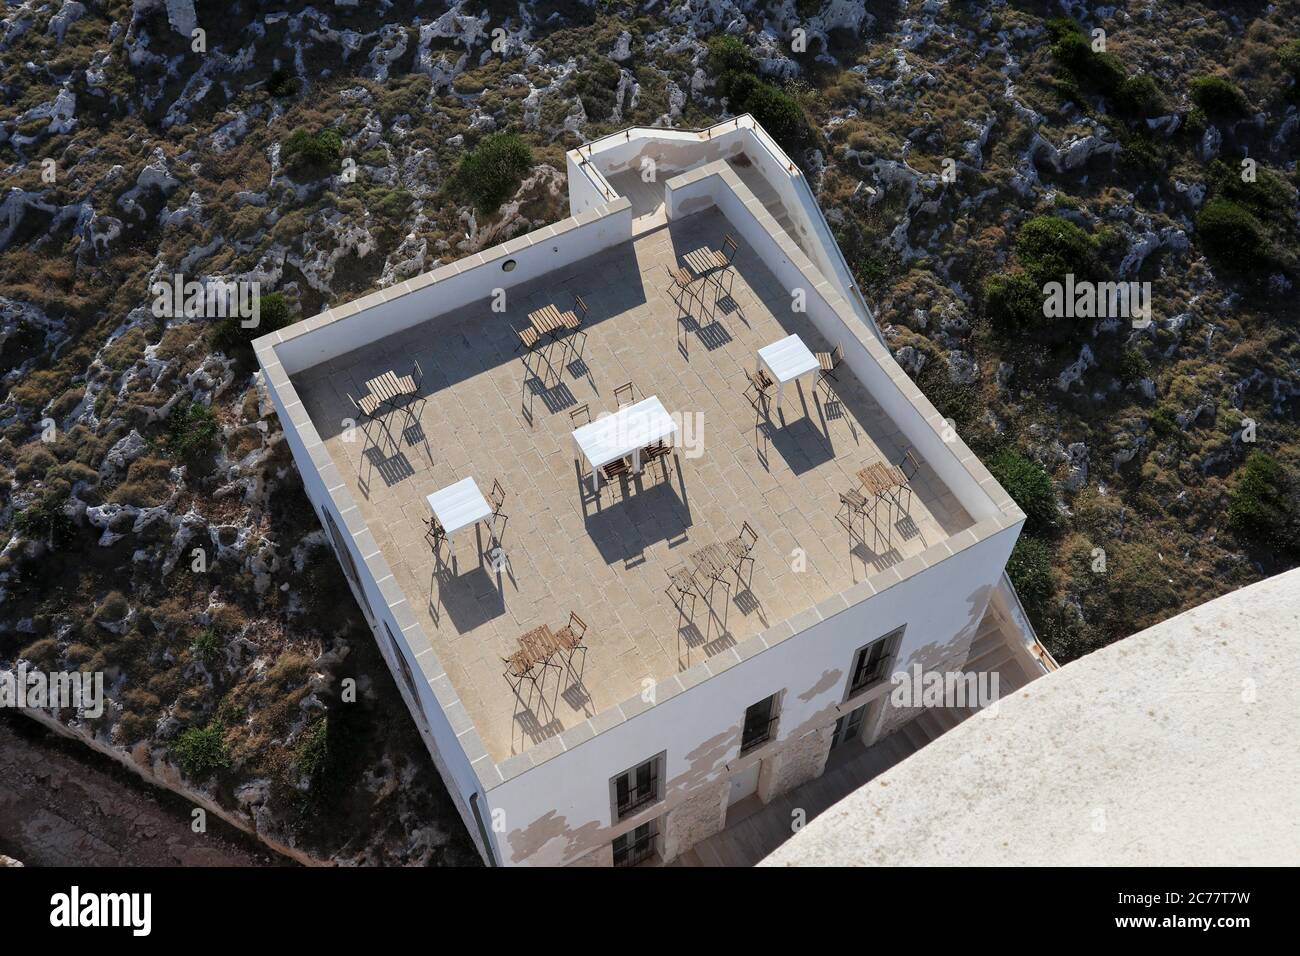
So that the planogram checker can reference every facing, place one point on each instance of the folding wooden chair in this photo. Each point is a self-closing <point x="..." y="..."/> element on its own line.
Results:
<point x="497" y="500"/>
<point x="573" y="321"/>
<point x="569" y="637"/>
<point x="759" y="383"/>
<point x="829" y="361"/>
<point x="682" y="580"/>
<point x="624" y="394"/>
<point x="659" y="451"/>
<point x="907" y="467"/>
<point x="528" y="339"/>
<point x="739" y="549"/>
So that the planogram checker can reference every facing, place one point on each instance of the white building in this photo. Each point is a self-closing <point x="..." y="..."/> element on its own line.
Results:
<point x="679" y="708"/>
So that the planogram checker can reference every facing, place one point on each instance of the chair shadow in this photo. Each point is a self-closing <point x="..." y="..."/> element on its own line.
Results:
<point x="392" y="468"/>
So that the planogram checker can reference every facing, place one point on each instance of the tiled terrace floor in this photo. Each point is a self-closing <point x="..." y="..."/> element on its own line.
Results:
<point x="484" y="413"/>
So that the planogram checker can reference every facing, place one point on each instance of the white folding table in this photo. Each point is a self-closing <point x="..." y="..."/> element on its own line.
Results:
<point x="623" y="433"/>
<point x="785" y="360"/>
<point x="459" y="506"/>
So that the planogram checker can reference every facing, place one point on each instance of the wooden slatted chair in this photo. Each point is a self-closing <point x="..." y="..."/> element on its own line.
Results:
<point x="740" y="548"/>
<point x="681" y="579"/>
<point x="619" y="466"/>
<point x="569" y="637"/>
<point x="574" y="320"/>
<point x="908" y="466"/>
<point x="660" y="451"/>
<point x="759" y="384"/>
<point x="625" y="394"/>
<point x="829" y="361"/>
<point x="497" y="499"/>
<point x="528" y="339"/>
<point x="683" y="283"/>
<point x="853" y="501"/>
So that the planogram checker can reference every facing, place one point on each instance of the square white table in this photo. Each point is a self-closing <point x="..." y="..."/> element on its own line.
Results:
<point x="459" y="506"/>
<point x="624" y="433"/>
<point x="785" y="360"/>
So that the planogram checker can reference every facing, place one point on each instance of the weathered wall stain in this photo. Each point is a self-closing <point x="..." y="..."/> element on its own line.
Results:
<point x="828" y="680"/>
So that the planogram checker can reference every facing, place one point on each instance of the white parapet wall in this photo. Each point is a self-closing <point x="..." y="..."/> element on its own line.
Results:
<point x="349" y="326"/>
<point x="674" y="151"/>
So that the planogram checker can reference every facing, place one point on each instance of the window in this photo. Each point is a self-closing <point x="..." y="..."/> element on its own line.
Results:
<point x="760" y="724"/>
<point x="871" y="662"/>
<point x="848" y="727"/>
<point x="349" y="566"/>
<point x="635" y="847"/>
<point x="407" y="677"/>
<point x="637" y="788"/>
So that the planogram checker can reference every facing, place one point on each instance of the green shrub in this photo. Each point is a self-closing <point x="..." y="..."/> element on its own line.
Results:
<point x="1141" y="154"/>
<point x="1260" y="507"/>
<point x="1133" y="367"/>
<point x="1230" y="234"/>
<point x="729" y="55"/>
<point x="493" y="170"/>
<point x="1013" y="302"/>
<point x="202" y="750"/>
<point x="192" y="431"/>
<point x="1073" y="51"/>
<point x="774" y="108"/>
<point x="281" y="83"/>
<point x="1048" y="247"/>
<point x="232" y="337"/>
<point x="112" y="611"/>
<point x="1030" y="570"/>
<point x="312" y="154"/>
<point x="46" y="521"/>
<point x="1140" y="96"/>
<point x="313" y="753"/>
<point x="1289" y="58"/>
<point x="207" y="646"/>
<point x="1219" y="97"/>
<point x="1030" y="487"/>
<point x="735" y="70"/>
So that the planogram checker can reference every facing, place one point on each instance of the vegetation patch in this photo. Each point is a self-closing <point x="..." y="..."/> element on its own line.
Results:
<point x="491" y="173"/>
<point x="1029" y="486"/>
<point x="735" y="71"/>
<point x="312" y="155"/>
<point x="1262" y="508"/>
<point x="201" y="751"/>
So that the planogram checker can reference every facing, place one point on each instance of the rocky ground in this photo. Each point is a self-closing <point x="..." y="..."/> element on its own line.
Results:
<point x="936" y="135"/>
<point x="62" y="805"/>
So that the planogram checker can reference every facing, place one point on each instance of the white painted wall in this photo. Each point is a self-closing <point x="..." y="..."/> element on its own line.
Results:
<point x="935" y="604"/>
<point x="437" y="293"/>
<point x="439" y="736"/>
<point x="588" y="188"/>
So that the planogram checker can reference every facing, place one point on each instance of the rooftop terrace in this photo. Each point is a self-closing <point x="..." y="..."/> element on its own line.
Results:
<point x="484" y="412"/>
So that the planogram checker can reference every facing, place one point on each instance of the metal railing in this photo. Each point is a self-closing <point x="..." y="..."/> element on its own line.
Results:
<point x="636" y="851"/>
<point x="1036" y="648"/>
<point x="638" y="797"/>
<point x="757" y="733"/>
